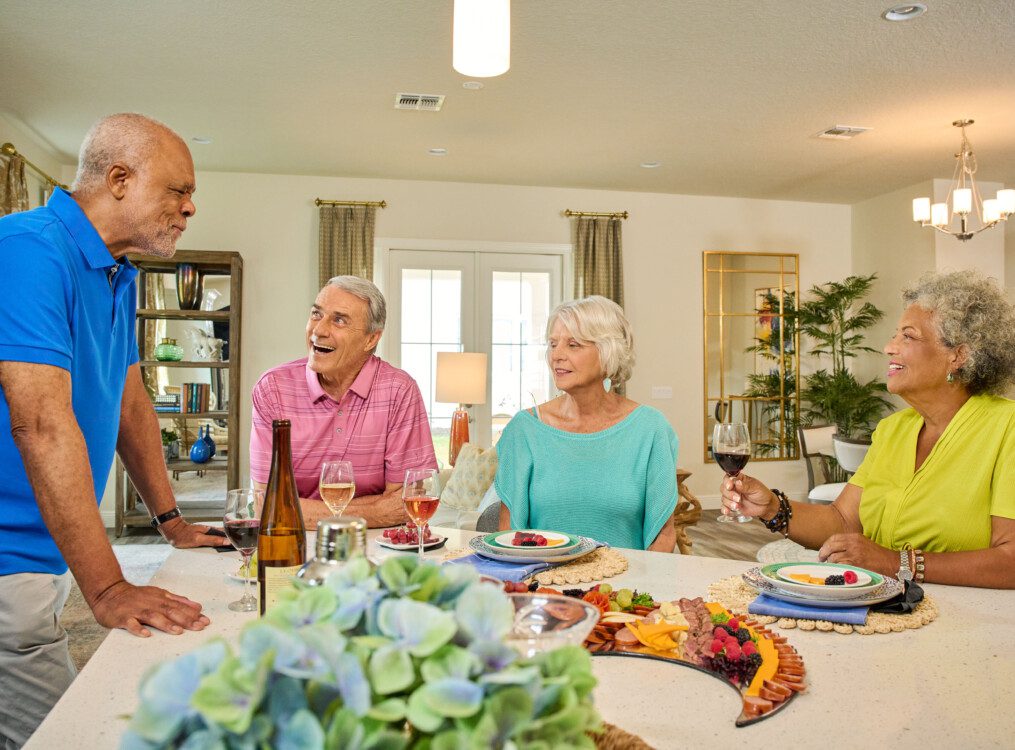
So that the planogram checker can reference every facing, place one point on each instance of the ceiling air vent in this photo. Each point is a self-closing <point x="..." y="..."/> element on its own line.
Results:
<point x="842" y="132"/>
<point x="421" y="102"/>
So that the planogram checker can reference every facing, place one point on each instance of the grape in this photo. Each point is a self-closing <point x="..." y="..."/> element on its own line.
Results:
<point x="624" y="597"/>
<point x="605" y="588"/>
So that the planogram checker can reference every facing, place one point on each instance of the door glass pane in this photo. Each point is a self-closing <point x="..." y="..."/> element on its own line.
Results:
<point x="518" y="374"/>
<point x="431" y="307"/>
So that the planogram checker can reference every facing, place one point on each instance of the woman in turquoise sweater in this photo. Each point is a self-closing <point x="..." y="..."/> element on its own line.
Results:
<point x="590" y="461"/>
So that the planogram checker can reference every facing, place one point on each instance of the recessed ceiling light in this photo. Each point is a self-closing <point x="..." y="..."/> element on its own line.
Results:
<point x="472" y="85"/>
<point x="202" y="139"/>
<point x="904" y="12"/>
<point x="651" y="164"/>
<point x="437" y="152"/>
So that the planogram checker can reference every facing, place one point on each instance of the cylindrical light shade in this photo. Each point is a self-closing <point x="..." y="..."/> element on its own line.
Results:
<point x="481" y="38"/>
<point x="939" y="214"/>
<point x="991" y="211"/>
<point x="461" y="378"/>
<point x="962" y="201"/>
<point x="1006" y="199"/>
<point x="921" y="209"/>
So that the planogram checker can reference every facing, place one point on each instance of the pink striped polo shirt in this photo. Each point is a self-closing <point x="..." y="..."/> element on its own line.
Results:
<point x="380" y="425"/>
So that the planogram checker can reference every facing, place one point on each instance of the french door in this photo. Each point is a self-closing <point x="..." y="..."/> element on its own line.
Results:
<point x="453" y="301"/>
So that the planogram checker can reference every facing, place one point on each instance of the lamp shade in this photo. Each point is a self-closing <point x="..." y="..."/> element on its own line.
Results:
<point x="461" y="378"/>
<point x="481" y="38"/>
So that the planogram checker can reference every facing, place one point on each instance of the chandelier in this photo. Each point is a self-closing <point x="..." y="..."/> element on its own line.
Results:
<point x="481" y="37"/>
<point x="973" y="214"/>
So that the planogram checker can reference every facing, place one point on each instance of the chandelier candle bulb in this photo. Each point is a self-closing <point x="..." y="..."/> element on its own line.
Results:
<point x="921" y="209"/>
<point x="991" y="211"/>
<point x="939" y="214"/>
<point x="962" y="201"/>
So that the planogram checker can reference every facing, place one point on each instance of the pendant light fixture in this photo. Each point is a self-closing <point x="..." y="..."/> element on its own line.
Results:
<point x="481" y="38"/>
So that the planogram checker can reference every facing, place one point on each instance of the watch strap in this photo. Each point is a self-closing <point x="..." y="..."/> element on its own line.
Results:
<point x="905" y="570"/>
<point x="169" y="515"/>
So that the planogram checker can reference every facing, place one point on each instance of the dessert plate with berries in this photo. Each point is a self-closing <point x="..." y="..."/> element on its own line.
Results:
<point x="822" y="581"/>
<point x="586" y="545"/>
<point x="529" y="542"/>
<point x="887" y="590"/>
<point x="407" y="538"/>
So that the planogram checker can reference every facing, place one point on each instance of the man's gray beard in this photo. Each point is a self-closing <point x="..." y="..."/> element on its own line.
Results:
<point x="148" y="240"/>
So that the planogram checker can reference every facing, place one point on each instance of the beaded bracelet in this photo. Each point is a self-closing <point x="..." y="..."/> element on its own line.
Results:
<point x="918" y="565"/>
<point x="780" y="521"/>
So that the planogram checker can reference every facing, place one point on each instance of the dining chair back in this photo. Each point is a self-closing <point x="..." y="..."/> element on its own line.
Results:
<point x="818" y="452"/>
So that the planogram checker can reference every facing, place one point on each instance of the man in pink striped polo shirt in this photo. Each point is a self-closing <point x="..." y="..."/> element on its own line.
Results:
<point x="344" y="404"/>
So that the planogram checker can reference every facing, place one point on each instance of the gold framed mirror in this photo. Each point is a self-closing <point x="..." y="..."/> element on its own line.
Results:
<point x="752" y="348"/>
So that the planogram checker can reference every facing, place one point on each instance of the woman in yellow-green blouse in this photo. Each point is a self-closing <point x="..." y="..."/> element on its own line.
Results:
<point x="935" y="495"/>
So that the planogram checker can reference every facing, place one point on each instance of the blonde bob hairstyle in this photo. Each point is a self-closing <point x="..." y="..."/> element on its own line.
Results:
<point x="600" y="321"/>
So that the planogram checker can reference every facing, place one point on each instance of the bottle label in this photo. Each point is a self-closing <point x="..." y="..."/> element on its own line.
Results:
<point x="276" y="580"/>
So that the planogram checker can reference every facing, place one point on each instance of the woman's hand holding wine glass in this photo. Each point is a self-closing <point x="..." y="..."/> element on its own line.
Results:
<point x="731" y="448"/>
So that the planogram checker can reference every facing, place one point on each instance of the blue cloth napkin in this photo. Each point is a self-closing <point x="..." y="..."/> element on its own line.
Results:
<point x="766" y="605"/>
<point x="504" y="571"/>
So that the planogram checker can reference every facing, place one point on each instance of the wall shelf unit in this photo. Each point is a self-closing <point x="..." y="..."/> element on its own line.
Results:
<point x="226" y="268"/>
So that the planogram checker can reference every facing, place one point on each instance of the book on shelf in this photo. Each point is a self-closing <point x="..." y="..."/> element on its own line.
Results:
<point x="195" y="398"/>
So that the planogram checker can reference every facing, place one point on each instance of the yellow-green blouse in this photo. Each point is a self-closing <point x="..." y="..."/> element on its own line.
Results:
<point x="946" y="506"/>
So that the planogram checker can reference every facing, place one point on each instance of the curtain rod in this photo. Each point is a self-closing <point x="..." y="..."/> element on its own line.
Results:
<point x="322" y="202"/>
<point x="8" y="150"/>
<point x="610" y="215"/>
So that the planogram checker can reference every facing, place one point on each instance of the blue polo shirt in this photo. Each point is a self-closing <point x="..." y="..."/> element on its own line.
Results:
<point x="64" y="302"/>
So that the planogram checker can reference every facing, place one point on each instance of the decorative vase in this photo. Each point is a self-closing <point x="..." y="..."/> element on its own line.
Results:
<point x="168" y="351"/>
<point x="189" y="283"/>
<point x="850" y="453"/>
<point x="200" y="451"/>
<point x="208" y="441"/>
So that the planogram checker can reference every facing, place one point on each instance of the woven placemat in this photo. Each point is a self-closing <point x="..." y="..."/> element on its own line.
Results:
<point x="614" y="738"/>
<point x="735" y="595"/>
<point x="602" y="563"/>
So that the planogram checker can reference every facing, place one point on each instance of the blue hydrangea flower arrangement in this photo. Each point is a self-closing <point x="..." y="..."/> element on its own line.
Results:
<point x="404" y="656"/>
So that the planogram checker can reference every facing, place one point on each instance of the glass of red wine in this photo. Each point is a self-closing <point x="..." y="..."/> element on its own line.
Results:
<point x="421" y="494"/>
<point x="241" y="523"/>
<point x="731" y="448"/>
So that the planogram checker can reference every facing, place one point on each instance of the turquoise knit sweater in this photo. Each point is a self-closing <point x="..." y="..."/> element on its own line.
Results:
<point x="618" y="485"/>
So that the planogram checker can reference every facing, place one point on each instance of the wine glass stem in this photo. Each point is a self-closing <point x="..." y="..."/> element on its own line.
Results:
<point x="419" y="530"/>
<point x="248" y="579"/>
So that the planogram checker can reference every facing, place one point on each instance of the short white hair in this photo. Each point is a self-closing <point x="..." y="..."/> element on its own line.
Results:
<point x="126" y="138"/>
<point x="599" y="321"/>
<point x="366" y="290"/>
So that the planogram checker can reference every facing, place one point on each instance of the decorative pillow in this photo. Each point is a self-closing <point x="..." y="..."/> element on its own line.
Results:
<point x="472" y="477"/>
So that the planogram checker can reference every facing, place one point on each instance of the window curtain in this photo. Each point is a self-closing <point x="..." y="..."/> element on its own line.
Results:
<point x="13" y="186"/>
<point x="346" y="242"/>
<point x="598" y="257"/>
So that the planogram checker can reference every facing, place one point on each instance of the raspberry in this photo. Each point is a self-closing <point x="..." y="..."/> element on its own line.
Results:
<point x="540" y="541"/>
<point x="732" y="651"/>
<point x="716" y="646"/>
<point x="835" y="580"/>
<point x="748" y="648"/>
<point x="733" y="623"/>
<point x="850" y="577"/>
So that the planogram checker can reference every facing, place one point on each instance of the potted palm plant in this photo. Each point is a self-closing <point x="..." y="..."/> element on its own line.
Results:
<point x="835" y="318"/>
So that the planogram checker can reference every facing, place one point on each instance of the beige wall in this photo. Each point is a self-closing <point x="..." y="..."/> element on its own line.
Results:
<point x="33" y="148"/>
<point x="272" y="221"/>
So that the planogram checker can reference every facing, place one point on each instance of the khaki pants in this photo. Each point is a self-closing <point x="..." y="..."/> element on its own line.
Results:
<point x="35" y="665"/>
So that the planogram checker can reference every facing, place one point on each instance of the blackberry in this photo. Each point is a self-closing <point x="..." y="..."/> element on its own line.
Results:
<point x="751" y="664"/>
<point x="576" y="593"/>
<point x="742" y="636"/>
<point x="534" y="585"/>
<point x="835" y="580"/>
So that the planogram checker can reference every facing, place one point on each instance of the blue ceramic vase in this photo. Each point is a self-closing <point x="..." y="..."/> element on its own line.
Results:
<point x="208" y="441"/>
<point x="199" y="451"/>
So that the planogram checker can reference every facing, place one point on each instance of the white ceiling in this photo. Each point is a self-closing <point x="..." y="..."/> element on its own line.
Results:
<point x="727" y="95"/>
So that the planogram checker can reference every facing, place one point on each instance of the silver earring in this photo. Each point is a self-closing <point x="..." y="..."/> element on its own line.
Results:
<point x="950" y="378"/>
<point x="607" y="384"/>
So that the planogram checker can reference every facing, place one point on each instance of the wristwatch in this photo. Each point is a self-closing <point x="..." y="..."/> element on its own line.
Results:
<point x="169" y="515"/>
<point x="905" y="571"/>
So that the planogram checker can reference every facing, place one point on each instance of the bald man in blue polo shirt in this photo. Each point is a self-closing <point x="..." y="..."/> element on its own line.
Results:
<point x="72" y="394"/>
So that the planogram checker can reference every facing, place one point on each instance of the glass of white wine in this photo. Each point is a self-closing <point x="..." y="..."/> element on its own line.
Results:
<point x="337" y="485"/>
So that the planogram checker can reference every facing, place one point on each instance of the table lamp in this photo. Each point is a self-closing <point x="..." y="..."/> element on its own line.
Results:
<point x="461" y="379"/>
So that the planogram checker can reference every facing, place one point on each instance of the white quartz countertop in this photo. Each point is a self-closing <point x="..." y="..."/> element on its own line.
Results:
<point x="943" y="685"/>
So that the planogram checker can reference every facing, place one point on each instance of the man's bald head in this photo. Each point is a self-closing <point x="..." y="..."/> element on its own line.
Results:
<point x="129" y="139"/>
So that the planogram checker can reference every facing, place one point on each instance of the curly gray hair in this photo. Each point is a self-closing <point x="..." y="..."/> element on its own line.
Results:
<point x="600" y="321"/>
<point x="971" y="310"/>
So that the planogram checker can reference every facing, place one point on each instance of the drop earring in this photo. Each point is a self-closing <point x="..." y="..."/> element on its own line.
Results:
<point x="950" y="378"/>
<point x="607" y="384"/>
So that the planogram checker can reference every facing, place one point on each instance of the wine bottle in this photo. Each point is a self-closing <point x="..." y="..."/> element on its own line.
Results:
<point x="282" y="541"/>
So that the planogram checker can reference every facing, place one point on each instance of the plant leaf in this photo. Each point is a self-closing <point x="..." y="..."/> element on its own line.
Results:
<point x="302" y="732"/>
<point x="421" y="716"/>
<point x="484" y="613"/>
<point x="420" y="628"/>
<point x="390" y="670"/>
<point x="449" y="661"/>
<point x="392" y="709"/>
<point x="452" y="697"/>
<point x="229" y="696"/>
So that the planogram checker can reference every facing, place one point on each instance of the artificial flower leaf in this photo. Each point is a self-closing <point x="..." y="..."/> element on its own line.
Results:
<point x="453" y="739"/>
<point x="390" y="670"/>
<point x="344" y="732"/>
<point x="230" y="695"/>
<point x="286" y="696"/>
<point x="393" y="575"/>
<point x="484" y="613"/>
<point x="302" y="732"/>
<point x="452" y="697"/>
<point x="494" y="656"/>
<point x="418" y="627"/>
<point x="352" y="683"/>
<point x="392" y="709"/>
<point x="310" y="607"/>
<point x="517" y="676"/>
<point x="203" y="740"/>
<point x="421" y="716"/>
<point x="506" y="712"/>
<point x="449" y="661"/>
